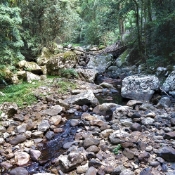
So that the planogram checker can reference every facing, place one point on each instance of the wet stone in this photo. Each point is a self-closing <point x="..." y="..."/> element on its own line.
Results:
<point x="146" y="171"/>
<point x="49" y="135"/>
<point x="74" y="122"/>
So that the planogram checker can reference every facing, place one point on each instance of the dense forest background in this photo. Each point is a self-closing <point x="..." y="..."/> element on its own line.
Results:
<point x="147" y="26"/>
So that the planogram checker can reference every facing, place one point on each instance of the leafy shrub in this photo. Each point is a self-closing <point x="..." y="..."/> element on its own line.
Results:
<point x="68" y="73"/>
<point x="117" y="148"/>
<point x="10" y="37"/>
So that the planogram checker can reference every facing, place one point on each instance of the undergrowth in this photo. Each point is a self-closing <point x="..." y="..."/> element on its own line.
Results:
<point x="23" y="94"/>
<point x="20" y="94"/>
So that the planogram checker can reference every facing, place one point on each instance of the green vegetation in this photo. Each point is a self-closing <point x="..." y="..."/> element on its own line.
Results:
<point x="65" y="87"/>
<point x="146" y="26"/>
<point x="20" y="94"/>
<point x="117" y="148"/>
<point x="24" y="94"/>
<point x="68" y="73"/>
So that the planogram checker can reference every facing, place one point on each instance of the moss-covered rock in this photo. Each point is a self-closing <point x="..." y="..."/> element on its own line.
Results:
<point x="6" y="75"/>
<point x="30" y="66"/>
<point x="67" y="60"/>
<point x="123" y="58"/>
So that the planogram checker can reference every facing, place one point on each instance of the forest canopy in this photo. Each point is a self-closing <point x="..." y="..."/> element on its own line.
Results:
<point x="145" y="25"/>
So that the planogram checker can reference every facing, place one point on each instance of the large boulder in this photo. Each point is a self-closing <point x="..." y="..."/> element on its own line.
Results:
<point x="30" y="66"/>
<point x="29" y="77"/>
<point x="83" y="98"/>
<point x="100" y="63"/>
<point x="61" y="61"/>
<point x="87" y="74"/>
<point x="44" y="57"/>
<point x="139" y="87"/>
<point x="169" y="84"/>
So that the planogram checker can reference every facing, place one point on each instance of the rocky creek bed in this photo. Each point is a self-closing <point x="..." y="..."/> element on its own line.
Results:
<point x="91" y="130"/>
<point x="74" y="134"/>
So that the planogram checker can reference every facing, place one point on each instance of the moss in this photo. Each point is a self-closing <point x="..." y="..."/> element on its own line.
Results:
<point x="123" y="56"/>
<point x="20" y="94"/>
<point x="64" y="86"/>
<point x="69" y="55"/>
<point x="68" y="73"/>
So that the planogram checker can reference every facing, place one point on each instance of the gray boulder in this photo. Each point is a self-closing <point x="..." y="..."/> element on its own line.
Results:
<point x="87" y="74"/>
<point x="164" y="102"/>
<point x="169" y="84"/>
<point x="84" y="98"/>
<point x="139" y="87"/>
<point x="100" y="63"/>
<point x="61" y="61"/>
<point x="30" y="66"/>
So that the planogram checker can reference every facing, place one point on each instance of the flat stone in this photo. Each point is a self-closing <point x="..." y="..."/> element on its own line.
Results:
<point x="148" y="121"/>
<point x="127" y="172"/>
<point x="132" y="103"/>
<point x="49" y="135"/>
<point x="37" y="134"/>
<point x="93" y="148"/>
<point x="91" y="141"/>
<point x="118" y="136"/>
<point x="2" y="141"/>
<point x="82" y="169"/>
<point x="18" y="139"/>
<point x="146" y="171"/>
<point x="19" y="171"/>
<point x="56" y="120"/>
<point x="167" y="153"/>
<point x="44" y="174"/>
<point x="34" y="154"/>
<point x="91" y="171"/>
<point x="128" y="153"/>
<point x="74" y="122"/>
<point x="21" y="128"/>
<point x="53" y="111"/>
<point x="136" y="127"/>
<point x="84" y="98"/>
<point x="43" y="126"/>
<point x="21" y="158"/>
<point x="169" y="135"/>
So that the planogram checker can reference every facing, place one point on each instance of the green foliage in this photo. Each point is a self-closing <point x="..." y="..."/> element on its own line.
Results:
<point x="63" y="85"/>
<point x="10" y="38"/>
<point x="68" y="73"/>
<point x="117" y="148"/>
<point x="20" y="94"/>
<point x="156" y="61"/>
